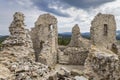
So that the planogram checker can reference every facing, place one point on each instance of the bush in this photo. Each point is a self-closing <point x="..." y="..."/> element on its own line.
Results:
<point x="1" y="40"/>
<point x="64" y="41"/>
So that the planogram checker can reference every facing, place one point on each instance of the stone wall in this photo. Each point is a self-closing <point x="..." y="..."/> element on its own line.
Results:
<point x="77" y="40"/>
<point x="76" y="52"/>
<point x="75" y="36"/>
<point x="18" y="34"/>
<point x="103" y="60"/>
<point x="103" y="30"/>
<point x="17" y="57"/>
<point x="102" y="65"/>
<point x="77" y="56"/>
<point x="44" y="35"/>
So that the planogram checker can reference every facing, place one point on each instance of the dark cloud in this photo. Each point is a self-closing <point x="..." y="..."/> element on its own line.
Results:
<point x="44" y="6"/>
<point x="84" y="3"/>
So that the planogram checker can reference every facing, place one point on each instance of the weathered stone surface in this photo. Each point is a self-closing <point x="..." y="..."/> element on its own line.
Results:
<point x="21" y="65"/>
<point x="103" y="30"/>
<point x="44" y="37"/>
<point x="18" y="34"/>
<point x="77" y="50"/>
<point x="102" y="65"/>
<point x="17" y="56"/>
<point x="101" y="60"/>
<point x="32" y="70"/>
<point x="77" y="40"/>
<point x="75" y="72"/>
<point x="62" y="58"/>
<point x="4" y="72"/>
<point x="73" y="56"/>
<point x="80" y="78"/>
<point x="75" y="35"/>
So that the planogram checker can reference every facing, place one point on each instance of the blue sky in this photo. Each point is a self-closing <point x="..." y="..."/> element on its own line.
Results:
<point x="68" y="12"/>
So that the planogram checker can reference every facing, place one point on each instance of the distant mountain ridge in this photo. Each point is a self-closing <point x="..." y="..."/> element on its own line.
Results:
<point x="86" y="34"/>
<point x="2" y="38"/>
<point x="68" y="34"/>
<point x="118" y="35"/>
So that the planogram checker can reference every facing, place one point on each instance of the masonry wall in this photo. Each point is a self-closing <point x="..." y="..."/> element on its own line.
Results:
<point x="44" y="36"/>
<point x="103" y="30"/>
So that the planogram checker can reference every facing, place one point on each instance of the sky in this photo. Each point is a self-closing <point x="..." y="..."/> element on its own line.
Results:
<point x="67" y="12"/>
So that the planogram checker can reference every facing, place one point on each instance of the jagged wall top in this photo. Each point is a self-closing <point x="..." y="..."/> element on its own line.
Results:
<point x="76" y="30"/>
<point x="46" y="19"/>
<point x="18" y="34"/>
<point x="18" y="16"/>
<point x="103" y="30"/>
<point x="104" y="17"/>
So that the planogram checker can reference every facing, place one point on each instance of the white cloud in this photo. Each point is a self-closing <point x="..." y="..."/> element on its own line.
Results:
<point x="110" y="8"/>
<point x="8" y="9"/>
<point x="84" y="17"/>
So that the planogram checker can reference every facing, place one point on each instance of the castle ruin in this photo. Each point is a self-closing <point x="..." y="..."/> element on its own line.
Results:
<point x="44" y="36"/>
<point x="76" y="51"/>
<point x="98" y="56"/>
<point x="103" y="31"/>
<point x="18" y="34"/>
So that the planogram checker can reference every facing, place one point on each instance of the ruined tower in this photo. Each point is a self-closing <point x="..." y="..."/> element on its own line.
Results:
<point x="19" y="42"/>
<point x="18" y="34"/>
<point x="75" y="36"/>
<point x="77" y="40"/>
<point x="103" y="31"/>
<point x="44" y="36"/>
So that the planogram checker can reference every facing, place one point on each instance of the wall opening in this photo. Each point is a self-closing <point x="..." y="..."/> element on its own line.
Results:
<point x="51" y="27"/>
<point x="41" y="45"/>
<point x="51" y="30"/>
<point x="114" y="48"/>
<point x="38" y="51"/>
<point x="105" y="29"/>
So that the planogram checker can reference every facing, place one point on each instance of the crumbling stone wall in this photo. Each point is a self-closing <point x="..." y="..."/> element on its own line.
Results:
<point x="102" y="65"/>
<point x="77" y="56"/>
<point x="75" y="35"/>
<point x="18" y="34"/>
<point x="77" y="40"/>
<point x="17" y="57"/>
<point x="77" y="51"/>
<point x="44" y="35"/>
<point x="19" y="42"/>
<point x="103" y="30"/>
<point x="103" y="60"/>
